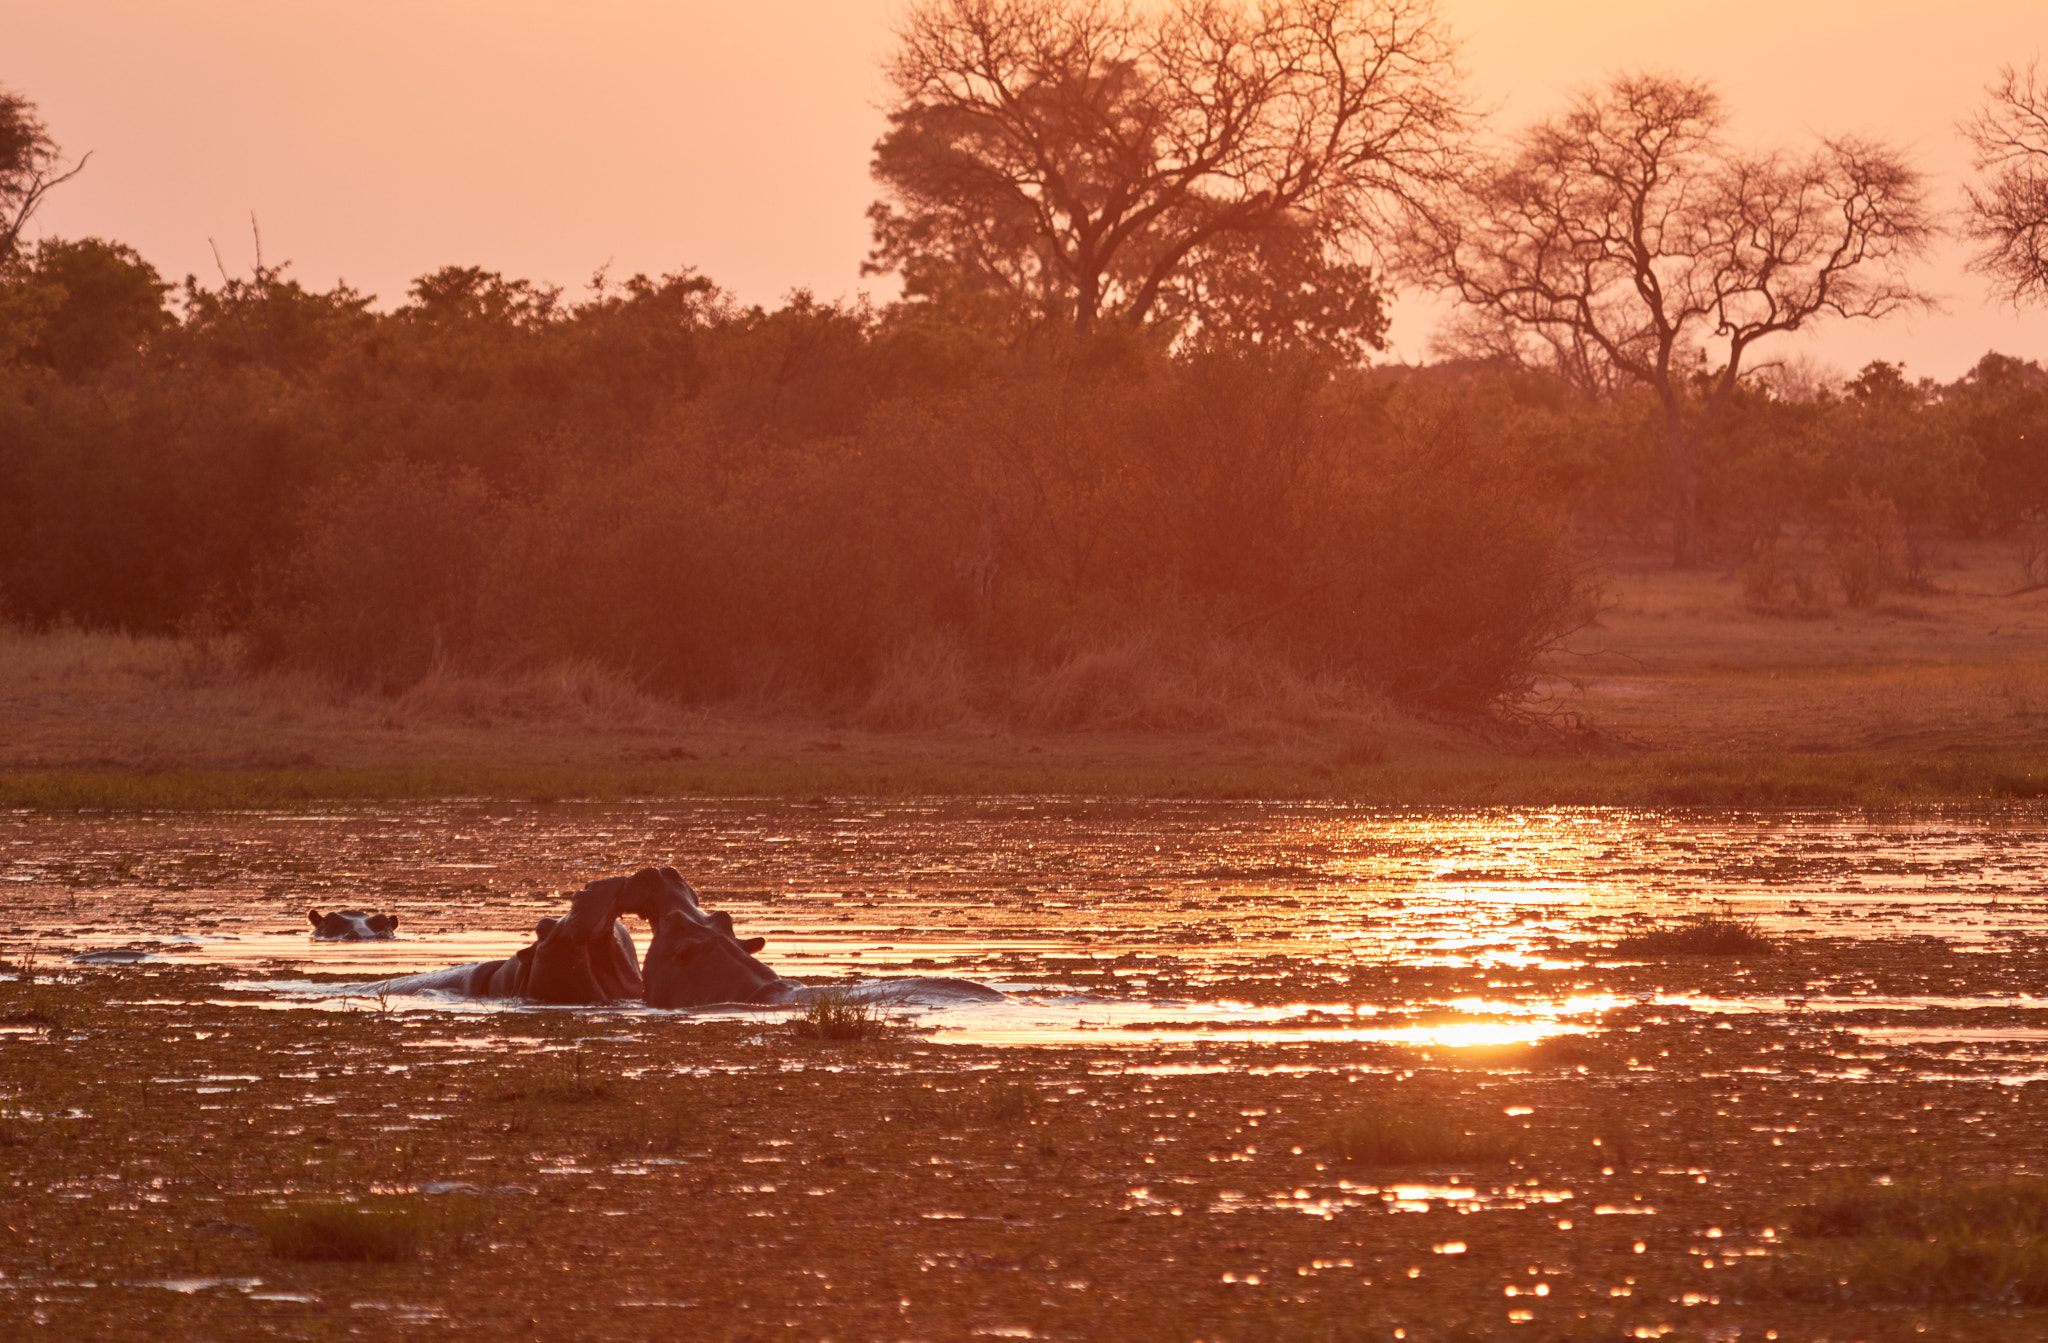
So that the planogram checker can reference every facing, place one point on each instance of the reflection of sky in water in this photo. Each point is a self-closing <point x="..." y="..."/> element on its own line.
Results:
<point x="1154" y="903"/>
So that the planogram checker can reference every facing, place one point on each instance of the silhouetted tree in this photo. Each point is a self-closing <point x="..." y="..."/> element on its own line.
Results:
<point x="2007" y="214"/>
<point x="1627" y="231"/>
<point x="1090" y="157"/>
<point x="30" y="167"/>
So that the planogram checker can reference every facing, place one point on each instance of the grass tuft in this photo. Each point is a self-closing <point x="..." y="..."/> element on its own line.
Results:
<point x="572" y="1085"/>
<point x="1716" y="932"/>
<point x="831" y="1015"/>
<point x="1011" y="1101"/>
<point x="1980" y="1244"/>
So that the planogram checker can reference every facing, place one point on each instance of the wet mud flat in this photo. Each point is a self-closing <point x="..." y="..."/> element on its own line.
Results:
<point x="580" y="1173"/>
<point x="1164" y="1141"/>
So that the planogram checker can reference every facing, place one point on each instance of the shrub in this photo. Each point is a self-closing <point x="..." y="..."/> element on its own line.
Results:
<point x="1866" y="546"/>
<point x="1776" y="583"/>
<point x="1150" y="543"/>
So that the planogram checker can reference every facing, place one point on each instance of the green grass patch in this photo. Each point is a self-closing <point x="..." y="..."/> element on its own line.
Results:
<point x="1070" y="768"/>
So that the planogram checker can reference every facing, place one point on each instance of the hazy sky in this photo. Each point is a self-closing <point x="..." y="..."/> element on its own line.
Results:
<point x="377" y="140"/>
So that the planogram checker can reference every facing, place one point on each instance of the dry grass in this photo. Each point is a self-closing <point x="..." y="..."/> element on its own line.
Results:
<point x="1144" y="683"/>
<point x="1679" y="663"/>
<point x="1678" y="696"/>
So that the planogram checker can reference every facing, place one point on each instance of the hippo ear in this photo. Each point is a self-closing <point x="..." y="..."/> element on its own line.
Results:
<point x="543" y="928"/>
<point x="383" y="923"/>
<point x="724" y="922"/>
<point x="313" y="915"/>
<point x="753" y="944"/>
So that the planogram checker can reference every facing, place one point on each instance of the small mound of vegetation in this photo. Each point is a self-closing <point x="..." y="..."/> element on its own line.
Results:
<point x="1009" y="1101"/>
<point x="1913" y="1244"/>
<point x="831" y="1015"/>
<point x="555" y="1085"/>
<point x="1716" y="932"/>
<point x="329" y="1229"/>
<point x="1386" y="1135"/>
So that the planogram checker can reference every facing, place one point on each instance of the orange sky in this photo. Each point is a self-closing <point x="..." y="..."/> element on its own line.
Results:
<point x="377" y="140"/>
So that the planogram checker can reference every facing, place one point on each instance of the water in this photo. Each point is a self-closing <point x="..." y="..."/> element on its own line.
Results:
<point x="1133" y="923"/>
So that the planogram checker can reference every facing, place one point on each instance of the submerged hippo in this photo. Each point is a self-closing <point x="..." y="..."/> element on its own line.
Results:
<point x="586" y="957"/>
<point x="352" y="925"/>
<point x="691" y="966"/>
<point x="696" y="958"/>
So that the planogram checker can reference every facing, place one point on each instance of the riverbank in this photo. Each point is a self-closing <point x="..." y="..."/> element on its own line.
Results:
<point x="1679" y="694"/>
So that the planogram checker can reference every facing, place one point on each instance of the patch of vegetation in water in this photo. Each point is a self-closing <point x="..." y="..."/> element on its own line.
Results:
<point x="1391" y="1135"/>
<point x="833" y="1015"/>
<point x="1973" y="1243"/>
<point x="1716" y="932"/>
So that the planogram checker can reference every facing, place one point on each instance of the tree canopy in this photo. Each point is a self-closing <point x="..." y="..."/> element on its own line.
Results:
<point x="2006" y="213"/>
<point x="1626" y="234"/>
<point x="1098" y="161"/>
<point x="30" y="166"/>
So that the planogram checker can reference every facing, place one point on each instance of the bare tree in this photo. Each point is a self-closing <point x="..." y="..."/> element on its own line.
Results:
<point x="2007" y="213"/>
<point x="1627" y="232"/>
<point x="1082" y="154"/>
<point x="29" y="168"/>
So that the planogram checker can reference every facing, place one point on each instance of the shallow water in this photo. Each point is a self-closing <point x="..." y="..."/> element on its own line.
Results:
<point x="1110" y="923"/>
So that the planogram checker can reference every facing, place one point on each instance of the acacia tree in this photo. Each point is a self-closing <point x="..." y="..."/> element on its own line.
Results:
<point x="2008" y="213"/>
<point x="30" y="168"/>
<point x="1089" y="156"/>
<point x="1629" y="233"/>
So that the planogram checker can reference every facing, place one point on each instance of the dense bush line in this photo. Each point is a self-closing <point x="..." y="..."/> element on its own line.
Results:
<point x="822" y="500"/>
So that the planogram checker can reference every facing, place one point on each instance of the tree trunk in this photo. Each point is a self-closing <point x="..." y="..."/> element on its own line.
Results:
<point x="1087" y="298"/>
<point x="1685" y="491"/>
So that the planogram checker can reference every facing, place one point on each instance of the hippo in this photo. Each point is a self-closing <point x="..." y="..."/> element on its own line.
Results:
<point x="585" y="958"/>
<point x="695" y="959"/>
<point x="689" y="965"/>
<point x="351" y="925"/>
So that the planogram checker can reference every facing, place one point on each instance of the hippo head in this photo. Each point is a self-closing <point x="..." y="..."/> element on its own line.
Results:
<point x="585" y="957"/>
<point x="692" y="964"/>
<point x="351" y="925"/>
<point x="656" y="892"/>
